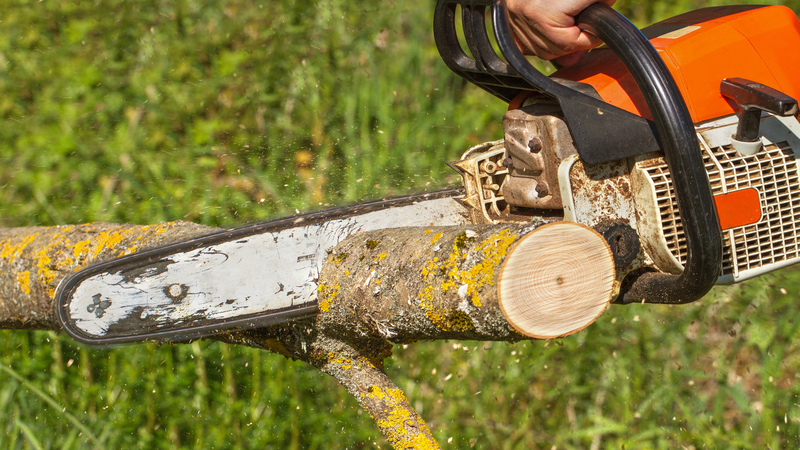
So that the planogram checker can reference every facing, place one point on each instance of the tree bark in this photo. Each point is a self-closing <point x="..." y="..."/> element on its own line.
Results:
<point x="395" y="285"/>
<point x="33" y="260"/>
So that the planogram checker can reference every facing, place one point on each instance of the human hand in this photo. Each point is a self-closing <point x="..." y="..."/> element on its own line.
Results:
<point x="546" y="28"/>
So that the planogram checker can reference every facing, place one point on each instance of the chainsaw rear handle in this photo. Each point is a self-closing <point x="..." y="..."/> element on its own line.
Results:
<point x="677" y="139"/>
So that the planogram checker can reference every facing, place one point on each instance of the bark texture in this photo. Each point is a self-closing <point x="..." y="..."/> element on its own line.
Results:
<point x="33" y="260"/>
<point x="414" y="284"/>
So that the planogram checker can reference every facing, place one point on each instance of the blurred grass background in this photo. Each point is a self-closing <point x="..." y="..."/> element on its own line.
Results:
<point x="230" y="112"/>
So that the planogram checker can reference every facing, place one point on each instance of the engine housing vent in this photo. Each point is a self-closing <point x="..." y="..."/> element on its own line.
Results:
<point x="770" y="242"/>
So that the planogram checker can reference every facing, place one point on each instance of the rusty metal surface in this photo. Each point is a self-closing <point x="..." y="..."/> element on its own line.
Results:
<point x="602" y="193"/>
<point x="485" y="176"/>
<point x="601" y="196"/>
<point x="536" y="141"/>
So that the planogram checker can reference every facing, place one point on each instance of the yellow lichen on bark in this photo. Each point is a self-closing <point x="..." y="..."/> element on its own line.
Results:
<point x="35" y="259"/>
<point x="445" y="319"/>
<point x="466" y="281"/>
<point x="326" y="295"/>
<point x="386" y="404"/>
<point x="341" y="361"/>
<point x="436" y="237"/>
<point x="493" y="250"/>
<point x="10" y="250"/>
<point x="46" y="270"/>
<point x="110" y="239"/>
<point x="397" y="418"/>
<point x="58" y="252"/>
<point x="24" y="281"/>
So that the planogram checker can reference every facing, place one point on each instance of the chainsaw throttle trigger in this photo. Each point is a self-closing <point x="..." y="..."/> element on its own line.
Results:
<point x="752" y="98"/>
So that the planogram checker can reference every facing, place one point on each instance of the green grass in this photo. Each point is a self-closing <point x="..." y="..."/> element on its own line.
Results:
<point x="717" y="374"/>
<point x="223" y="112"/>
<point x="226" y="113"/>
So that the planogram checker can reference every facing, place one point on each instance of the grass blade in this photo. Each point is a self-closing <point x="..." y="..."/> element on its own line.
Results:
<point x="29" y="435"/>
<point x="49" y="400"/>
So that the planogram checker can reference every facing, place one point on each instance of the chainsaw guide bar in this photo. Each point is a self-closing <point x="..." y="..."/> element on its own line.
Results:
<point x="247" y="277"/>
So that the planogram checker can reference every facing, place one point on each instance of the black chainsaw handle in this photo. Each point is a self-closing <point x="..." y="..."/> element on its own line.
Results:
<point x="603" y="125"/>
<point x="678" y="140"/>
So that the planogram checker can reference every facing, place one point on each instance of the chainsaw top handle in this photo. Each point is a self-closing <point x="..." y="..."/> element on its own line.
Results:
<point x="681" y="153"/>
<point x="599" y="139"/>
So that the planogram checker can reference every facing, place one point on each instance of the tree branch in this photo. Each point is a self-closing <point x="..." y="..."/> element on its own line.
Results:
<point x="360" y="371"/>
<point x="393" y="285"/>
<point x="418" y="284"/>
<point x="33" y="260"/>
<point x="414" y="284"/>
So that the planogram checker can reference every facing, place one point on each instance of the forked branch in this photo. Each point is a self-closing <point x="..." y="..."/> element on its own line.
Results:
<point x="394" y="285"/>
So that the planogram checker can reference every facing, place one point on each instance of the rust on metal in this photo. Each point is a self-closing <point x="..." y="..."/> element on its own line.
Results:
<point x="536" y="141"/>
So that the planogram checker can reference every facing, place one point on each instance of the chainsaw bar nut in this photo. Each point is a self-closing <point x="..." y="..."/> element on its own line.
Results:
<point x="535" y="145"/>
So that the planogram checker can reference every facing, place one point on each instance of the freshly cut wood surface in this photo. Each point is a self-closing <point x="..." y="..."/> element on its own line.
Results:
<point x="556" y="280"/>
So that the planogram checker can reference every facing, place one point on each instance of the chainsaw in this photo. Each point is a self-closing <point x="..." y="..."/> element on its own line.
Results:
<point x="676" y="143"/>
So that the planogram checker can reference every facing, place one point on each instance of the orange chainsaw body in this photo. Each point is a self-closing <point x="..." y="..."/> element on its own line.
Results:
<point x="700" y="48"/>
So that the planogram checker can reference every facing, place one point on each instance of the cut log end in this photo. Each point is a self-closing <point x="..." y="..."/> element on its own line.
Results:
<point x="556" y="280"/>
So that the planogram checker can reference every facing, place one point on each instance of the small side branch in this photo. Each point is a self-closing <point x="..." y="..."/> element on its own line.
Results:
<point x="361" y="373"/>
<point x="355" y="364"/>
